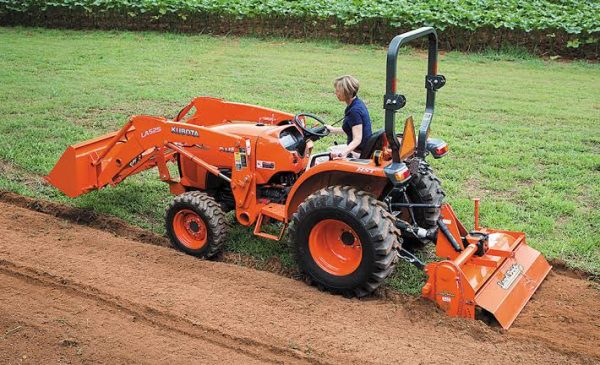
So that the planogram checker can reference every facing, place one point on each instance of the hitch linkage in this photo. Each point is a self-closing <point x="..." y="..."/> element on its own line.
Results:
<point x="410" y="258"/>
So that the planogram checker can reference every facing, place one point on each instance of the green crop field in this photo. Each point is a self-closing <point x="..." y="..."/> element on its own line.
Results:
<point x="572" y="16"/>
<point x="524" y="133"/>
<point x="547" y="27"/>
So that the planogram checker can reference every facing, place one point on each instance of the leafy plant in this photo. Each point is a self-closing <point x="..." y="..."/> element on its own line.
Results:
<point x="571" y="16"/>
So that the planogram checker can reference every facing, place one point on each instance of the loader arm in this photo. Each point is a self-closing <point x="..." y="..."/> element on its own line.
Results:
<point x="144" y="142"/>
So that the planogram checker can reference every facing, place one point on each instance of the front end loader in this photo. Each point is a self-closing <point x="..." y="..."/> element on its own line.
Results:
<point x="350" y="220"/>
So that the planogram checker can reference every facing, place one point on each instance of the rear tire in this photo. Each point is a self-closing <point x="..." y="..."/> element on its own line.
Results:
<point x="195" y="224"/>
<point x="426" y="188"/>
<point x="344" y="240"/>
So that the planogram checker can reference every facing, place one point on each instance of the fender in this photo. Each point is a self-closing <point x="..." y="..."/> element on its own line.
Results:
<point x="362" y="174"/>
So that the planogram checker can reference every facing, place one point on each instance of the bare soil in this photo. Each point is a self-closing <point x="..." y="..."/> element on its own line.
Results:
<point x="71" y="293"/>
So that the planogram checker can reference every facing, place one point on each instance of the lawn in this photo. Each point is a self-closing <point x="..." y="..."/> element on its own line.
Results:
<point x="524" y="132"/>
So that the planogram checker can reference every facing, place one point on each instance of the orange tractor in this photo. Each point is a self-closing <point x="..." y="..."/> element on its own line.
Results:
<point x="348" y="218"/>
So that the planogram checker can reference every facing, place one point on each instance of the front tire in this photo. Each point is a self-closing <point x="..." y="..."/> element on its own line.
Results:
<point x="344" y="240"/>
<point x="195" y="224"/>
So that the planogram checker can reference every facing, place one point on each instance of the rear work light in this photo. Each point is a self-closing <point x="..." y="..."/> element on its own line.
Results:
<point x="402" y="175"/>
<point x="440" y="151"/>
<point x="397" y="172"/>
<point x="437" y="147"/>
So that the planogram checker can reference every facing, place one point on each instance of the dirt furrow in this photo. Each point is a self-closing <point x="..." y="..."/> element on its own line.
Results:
<point x="44" y="323"/>
<point x="155" y="317"/>
<point x="248" y="315"/>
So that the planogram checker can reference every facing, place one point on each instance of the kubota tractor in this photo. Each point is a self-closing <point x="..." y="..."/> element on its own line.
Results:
<point x="348" y="218"/>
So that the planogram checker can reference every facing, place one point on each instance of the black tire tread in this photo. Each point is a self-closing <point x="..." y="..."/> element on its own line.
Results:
<point x="211" y="212"/>
<point x="428" y="189"/>
<point x="372" y="214"/>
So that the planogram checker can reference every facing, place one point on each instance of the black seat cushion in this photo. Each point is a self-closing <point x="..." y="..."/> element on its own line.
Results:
<point x="375" y="142"/>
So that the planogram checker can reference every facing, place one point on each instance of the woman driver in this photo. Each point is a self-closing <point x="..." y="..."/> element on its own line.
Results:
<point x="357" y="122"/>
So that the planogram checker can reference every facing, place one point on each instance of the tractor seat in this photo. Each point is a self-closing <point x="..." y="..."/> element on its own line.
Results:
<point x="375" y="142"/>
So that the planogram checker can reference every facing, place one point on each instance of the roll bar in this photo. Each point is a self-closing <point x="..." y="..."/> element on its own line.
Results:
<point x="393" y="102"/>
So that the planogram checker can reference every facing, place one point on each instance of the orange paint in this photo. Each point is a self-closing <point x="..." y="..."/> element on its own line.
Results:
<point x="335" y="247"/>
<point x="190" y="229"/>
<point x="501" y="281"/>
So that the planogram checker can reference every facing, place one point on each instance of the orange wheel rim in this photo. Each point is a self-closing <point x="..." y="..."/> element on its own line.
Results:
<point x="335" y="247"/>
<point x="190" y="229"/>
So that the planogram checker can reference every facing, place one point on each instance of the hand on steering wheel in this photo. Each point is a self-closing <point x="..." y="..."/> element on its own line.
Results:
<point x="319" y="132"/>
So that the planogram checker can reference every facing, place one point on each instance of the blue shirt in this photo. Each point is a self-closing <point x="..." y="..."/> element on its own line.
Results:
<point x="357" y="114"/>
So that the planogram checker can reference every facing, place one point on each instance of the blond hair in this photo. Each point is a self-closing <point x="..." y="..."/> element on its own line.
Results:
<point x="348" y="85"/>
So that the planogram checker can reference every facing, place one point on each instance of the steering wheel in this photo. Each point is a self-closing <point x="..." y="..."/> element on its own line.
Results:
<point x="319" y="132"/>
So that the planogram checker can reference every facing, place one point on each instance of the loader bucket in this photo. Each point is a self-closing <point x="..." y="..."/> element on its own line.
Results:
<point x="74" y="173"/>
<point x="499" y="278"/>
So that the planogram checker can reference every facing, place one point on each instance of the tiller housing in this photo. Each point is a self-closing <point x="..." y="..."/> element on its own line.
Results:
<point x="492" y="269"/>
<point x="350" y="220"/>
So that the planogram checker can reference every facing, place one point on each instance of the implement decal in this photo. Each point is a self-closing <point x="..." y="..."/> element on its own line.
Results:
<point x="511" y="276"/>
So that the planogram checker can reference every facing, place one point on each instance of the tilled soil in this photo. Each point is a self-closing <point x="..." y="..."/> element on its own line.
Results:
<point x="75" y="294"/>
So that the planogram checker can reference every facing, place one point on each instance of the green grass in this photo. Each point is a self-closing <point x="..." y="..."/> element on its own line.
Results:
<point x="523" y="132"/>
